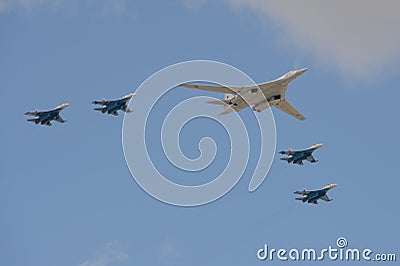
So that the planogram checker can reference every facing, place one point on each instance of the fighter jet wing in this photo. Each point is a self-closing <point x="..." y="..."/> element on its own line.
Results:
<point x="212" y="88"/>
<point x="311" y="158"/>
<point x="289" y="109"/>
<point x="326" y="198"/>
<point x="59" y="119"/>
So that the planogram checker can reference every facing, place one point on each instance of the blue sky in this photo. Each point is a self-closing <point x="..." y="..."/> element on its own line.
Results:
<point x="66" y="194"/>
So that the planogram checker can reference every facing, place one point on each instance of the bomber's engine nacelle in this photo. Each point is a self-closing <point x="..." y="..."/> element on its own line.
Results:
<point x="261" y="106"/>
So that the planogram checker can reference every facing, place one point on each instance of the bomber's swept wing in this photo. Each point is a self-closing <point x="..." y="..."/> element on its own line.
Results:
<point x="289" y="109"/>
<point x="218" y="102"/>
<point x="222" y="89"/>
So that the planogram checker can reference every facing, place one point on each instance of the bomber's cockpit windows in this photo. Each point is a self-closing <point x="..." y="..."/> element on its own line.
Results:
<point x="289" y="74"/>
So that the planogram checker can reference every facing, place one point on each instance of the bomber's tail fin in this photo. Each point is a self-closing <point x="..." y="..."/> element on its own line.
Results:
<point x="226" y="101"/>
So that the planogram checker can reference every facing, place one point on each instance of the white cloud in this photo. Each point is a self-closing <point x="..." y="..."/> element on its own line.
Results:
<point x="119" y="6"/>
<point x="115" y="6"/>
<point x="357" y="36"/>
<point x="25" y="5"/>
<point x="28" y="6"/>
<point x="194" y="4"/>
<point x="3" y="6"/>
<point x="108" y="255"/>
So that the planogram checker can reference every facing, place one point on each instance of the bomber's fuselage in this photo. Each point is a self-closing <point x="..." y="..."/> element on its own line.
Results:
<point x="271" y="93"/>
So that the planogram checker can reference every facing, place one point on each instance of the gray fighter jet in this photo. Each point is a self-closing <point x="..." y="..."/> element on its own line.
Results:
<point x="113" y="106"/>
<point x="45" y="117"/>
<point x="297" y="157"/>
<point x="311" y="196"/>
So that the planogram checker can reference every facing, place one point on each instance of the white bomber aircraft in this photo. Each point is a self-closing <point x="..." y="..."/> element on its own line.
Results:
<point x="261" y="96"/>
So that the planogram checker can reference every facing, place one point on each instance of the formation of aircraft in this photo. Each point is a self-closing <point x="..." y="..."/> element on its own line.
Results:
<point x="312" y="196"/>
<point x="260" y="97"/>
<point x="109" y="106"/>
<point x="297" y="157"/>
<point x="45" y="117"/>
<point x="113" y="106"/>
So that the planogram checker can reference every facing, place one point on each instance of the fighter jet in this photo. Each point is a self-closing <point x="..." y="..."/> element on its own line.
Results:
<point x="113" y="106"/>
<point x="312" y="196"/>
<point x="260" y="97"/>
<point x="45" y="117"/>
<point x="297" y="157"/>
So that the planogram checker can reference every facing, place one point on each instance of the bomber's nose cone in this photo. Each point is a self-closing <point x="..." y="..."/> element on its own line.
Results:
<point x="301" y="71"/>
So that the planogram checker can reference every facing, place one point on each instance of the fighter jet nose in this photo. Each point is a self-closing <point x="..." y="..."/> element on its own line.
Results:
<point x="130" y="96"/>
<point x="329" y="186"/>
